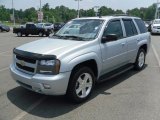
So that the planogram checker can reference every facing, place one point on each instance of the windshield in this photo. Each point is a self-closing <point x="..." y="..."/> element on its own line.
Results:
<point x="86" y="29"/>
<point x="157" y="22"/>
<point x="48" y="24"/>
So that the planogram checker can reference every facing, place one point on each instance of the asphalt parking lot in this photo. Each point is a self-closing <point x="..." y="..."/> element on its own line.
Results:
<point x="130" y="96"/>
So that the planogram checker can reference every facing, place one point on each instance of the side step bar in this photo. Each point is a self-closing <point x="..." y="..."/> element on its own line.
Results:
<point x="115" y="73"/>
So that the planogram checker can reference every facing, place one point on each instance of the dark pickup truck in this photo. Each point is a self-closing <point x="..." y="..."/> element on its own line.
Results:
<point x="31" y="29"/>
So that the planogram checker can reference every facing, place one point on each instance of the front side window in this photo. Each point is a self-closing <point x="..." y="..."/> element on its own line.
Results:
<point x="114" y="27"/>
<point x="86" y="29"/>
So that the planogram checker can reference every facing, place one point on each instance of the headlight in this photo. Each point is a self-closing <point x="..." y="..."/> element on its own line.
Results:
<point x="47" y="62"/>
<point x="48" y="67"/>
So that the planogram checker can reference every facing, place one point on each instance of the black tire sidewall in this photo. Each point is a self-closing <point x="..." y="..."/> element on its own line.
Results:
<point x="71" y="92"/>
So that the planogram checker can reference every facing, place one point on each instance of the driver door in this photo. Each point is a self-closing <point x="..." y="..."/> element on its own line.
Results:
<point x="114" y="52"/>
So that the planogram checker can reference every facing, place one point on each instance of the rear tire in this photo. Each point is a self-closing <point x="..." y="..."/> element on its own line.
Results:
<point x="40" y="34"/>
<point x="81" y="84"/>
<point x="26" y="35"/>
<point x="140" y="60"/>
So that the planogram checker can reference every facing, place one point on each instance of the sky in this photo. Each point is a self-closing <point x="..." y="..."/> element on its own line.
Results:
<point x="85" y="4"/>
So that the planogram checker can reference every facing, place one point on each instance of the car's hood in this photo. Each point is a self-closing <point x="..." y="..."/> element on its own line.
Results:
<point x="50" y="46"/>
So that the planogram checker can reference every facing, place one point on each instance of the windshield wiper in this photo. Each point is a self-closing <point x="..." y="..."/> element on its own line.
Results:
<point x="74" y="37"/>
<point x="57" y="36"/>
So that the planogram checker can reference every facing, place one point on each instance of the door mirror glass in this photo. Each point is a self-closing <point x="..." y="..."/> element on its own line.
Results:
<point x="110" y="37"/>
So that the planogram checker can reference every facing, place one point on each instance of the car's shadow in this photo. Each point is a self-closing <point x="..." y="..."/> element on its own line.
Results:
<point x="54" y="106"/>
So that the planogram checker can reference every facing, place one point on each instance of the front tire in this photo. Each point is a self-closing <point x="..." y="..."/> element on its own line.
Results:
<point x="140" y="60"/>
<point x="19" y="34"/>
<point x="81" y="84"/>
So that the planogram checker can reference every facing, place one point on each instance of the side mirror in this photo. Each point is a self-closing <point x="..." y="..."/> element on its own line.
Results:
<point x="110" y="37"/>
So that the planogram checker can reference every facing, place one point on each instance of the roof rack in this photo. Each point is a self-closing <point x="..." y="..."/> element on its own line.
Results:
<point x="120" y="15"/>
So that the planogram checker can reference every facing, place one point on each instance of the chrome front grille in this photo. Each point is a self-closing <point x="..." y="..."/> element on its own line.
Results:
<point x="24" y="64"/>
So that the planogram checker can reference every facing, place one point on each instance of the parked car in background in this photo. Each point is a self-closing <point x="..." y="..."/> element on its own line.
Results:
<point x="147" y="23"/>
<point x="72" y="62"/>
<point x="4" y="28"/>
<point x="155" y="26"/>
<point x="58" y="26"/>
<point x="46" y="25"/>
<point x="31" y="29"/>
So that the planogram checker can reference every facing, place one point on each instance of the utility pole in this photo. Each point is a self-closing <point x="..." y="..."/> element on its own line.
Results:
<point x="40" y="11"/>
<point x="13" y="13"/>
<point x="96" y="10"/>
<point x="47" y="18"/>
<point x="78" y="15"/>
<point x="157" y="10"/>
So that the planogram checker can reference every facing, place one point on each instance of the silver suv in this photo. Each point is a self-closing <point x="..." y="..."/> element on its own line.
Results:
<point x="83" y="52"/>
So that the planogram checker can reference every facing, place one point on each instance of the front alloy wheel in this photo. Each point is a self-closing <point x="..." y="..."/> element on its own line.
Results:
<point x="84" y="85"/>
<point x="81" y="84"/>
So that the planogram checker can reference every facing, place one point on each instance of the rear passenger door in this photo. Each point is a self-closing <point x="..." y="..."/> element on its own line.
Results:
<point x="131" y="37"/>
<point x="114" y="52"/>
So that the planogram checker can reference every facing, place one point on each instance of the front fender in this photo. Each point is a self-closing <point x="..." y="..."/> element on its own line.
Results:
<point x="80" y="59"/>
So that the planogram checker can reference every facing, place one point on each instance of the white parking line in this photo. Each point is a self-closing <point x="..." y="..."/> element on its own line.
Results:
<point x="156" y="55"/>
<point x="29" y="109"/>
<point x="4" y="52"/>
<point x="3" y="69"/>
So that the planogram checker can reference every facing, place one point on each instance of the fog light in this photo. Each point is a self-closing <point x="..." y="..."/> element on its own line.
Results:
<point x="46" y="86"/>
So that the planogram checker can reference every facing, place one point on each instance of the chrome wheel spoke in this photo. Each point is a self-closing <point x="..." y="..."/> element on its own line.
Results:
<point x="78" y="90"/>
<point x="86" y="77"/>
<point x="80" y="81"/>
<point x="88" y="84"/>
<point x="84" y="92"/>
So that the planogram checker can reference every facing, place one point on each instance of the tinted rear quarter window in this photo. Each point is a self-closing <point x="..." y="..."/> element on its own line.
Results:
<point x="130" y="27"/>
<point x="141" y="25"/>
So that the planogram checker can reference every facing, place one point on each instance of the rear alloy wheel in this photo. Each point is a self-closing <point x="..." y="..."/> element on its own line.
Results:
<point x="140" y="61"/>
<point x="0" y="30"/>
<point x="19" y="34"/>
<point x="41" y="34"/>
<point x="81" y="85"/>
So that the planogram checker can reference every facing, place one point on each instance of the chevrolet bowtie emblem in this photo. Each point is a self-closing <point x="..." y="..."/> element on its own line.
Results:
<point x="21" y="62"/>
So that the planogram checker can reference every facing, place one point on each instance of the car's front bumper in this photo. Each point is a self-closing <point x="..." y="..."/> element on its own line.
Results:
<point x="154" y="30"/>
<point x="45" y="84"/>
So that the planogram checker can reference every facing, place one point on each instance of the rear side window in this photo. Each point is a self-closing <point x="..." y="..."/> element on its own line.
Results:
<point x="141" y="25"/>
<point x="114" y="27"/>
<point x="130" y="27"/>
